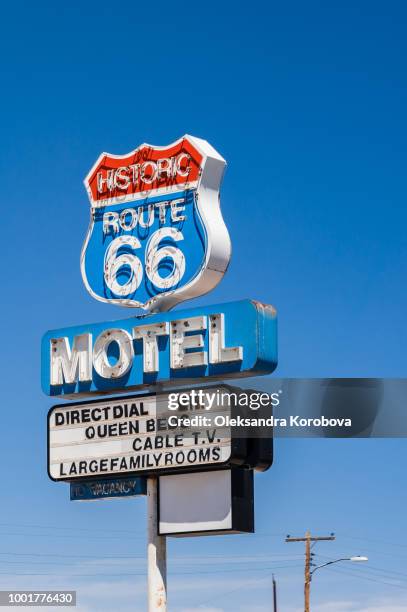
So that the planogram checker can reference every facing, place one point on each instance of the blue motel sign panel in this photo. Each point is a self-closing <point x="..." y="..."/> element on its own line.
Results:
<point x="227" y="340"/>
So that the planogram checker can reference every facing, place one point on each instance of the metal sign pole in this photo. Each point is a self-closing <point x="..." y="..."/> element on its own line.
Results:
<point x="156" y="553"/>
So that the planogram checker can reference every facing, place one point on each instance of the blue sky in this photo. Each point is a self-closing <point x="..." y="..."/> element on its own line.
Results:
<point x="306" y="101"/>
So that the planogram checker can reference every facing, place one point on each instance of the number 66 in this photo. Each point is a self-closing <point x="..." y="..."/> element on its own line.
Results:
<point x="154" y="256"/>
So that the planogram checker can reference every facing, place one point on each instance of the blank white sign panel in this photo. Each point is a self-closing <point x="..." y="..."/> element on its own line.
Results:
<point x="195" y="502"/>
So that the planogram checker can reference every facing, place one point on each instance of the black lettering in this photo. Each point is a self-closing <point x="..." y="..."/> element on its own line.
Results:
<point x="179" y="440"/>
<point x="179" y="458"/>
<point x="85" y="415"/>
<point x="211" y="436"/>
<point x="216" y="453"/>
<point x="135" y="462"/>
<point x="75" y="417"/>
<point x="112" y="429"/>
<point x="90" y="433"/>
<point x="192" y="456"/>
<point x="117" y="411"/>
<point x="204" y="455"/>
<point x="168" y="458"/>
<point x="134" y="427"/>
<point x="157" y="458"/>
<point x="150" y="425"/>
<point x="96" y="414"/>
<point x="137" y="446"/>
<point x="59" y="418"/>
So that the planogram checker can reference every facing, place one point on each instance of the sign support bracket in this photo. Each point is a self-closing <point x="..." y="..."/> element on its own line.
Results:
<point x="156" y="553"/>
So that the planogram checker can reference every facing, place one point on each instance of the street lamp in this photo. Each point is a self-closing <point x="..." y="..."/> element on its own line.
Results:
<point x="308" y="565"/>
<point x="356" y="559"/>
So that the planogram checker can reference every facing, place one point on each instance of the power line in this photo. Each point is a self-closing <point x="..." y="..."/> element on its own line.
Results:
<point x="383" y="552"/>
<point x="58" y="527"/>
<point x="375" y="540"/>
<point x="71" y="536"/>
<point x="68" y="528"/>
<point x="76" y="556"/>
<point x="217" y="597"/>
<point x="261" y="558"/>
<point x="359" y="575"/>
<point x="176" y="573"/>
<point x="103" y="562"/>
<point x="373" y="568"/>
<point x="130" y="533"/>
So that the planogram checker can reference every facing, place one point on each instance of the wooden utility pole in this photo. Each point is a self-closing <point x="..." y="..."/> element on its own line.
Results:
<point x="307" y="572"/>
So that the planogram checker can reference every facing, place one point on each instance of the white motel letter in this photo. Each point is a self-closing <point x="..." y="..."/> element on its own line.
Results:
<point x="218" y="353"/>
<point x="110" y="220"/>
<point x="180" y="159"/>
<point x="148" y="334"/>
<point x="124" y="362"/>
<point x="121" y="180"/>
<point x="128" y="224"/>
<point x="177" y="208"/>
<point x="163" y="167"/>
<point x="68" y="365"/>
<point x="108" y="180"/>
<point x="180" y="343"/>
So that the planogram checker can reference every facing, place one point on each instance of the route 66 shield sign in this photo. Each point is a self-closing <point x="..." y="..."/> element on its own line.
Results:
<point x="156" y="235"/>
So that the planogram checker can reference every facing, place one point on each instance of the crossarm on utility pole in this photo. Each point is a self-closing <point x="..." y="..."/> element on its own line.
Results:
<point x="312" y="539"/>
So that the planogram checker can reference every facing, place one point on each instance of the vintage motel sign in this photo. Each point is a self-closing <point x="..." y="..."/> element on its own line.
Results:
<point x="157" y="238"/>
<point x="156" y="234"/>
<point x="228" y="340"/>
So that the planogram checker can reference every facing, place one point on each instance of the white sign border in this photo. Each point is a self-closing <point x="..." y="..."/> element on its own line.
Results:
<point x="155" y="471"/>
